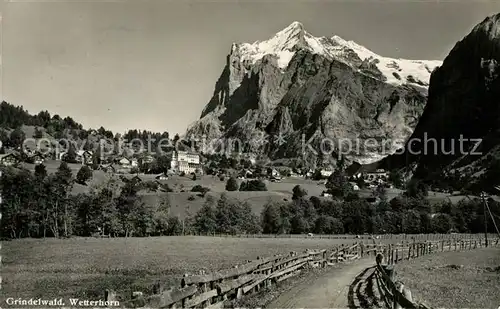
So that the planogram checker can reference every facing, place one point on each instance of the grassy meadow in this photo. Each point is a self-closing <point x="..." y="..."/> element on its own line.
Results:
<point x="88" y="266"/>
<point x="469" y="279"/>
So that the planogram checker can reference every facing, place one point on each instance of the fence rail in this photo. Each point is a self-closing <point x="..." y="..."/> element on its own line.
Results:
<point x="354" y="237"/>
<point x="214" y="290"/>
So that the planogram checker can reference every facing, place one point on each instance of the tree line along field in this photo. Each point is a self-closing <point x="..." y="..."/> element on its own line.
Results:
<point x="43" y="205"/>
<point x="186" y="203"/>
<point x="79" y="267"/>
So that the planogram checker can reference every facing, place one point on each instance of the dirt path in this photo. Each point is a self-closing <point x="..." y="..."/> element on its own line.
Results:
<point x="329" y="290"/>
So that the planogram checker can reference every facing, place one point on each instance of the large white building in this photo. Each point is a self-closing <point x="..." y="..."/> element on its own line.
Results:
<point x="187" y="162"/>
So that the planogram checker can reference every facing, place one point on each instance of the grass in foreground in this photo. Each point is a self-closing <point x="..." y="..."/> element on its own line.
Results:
<point x="80" y="267"/>
<point x="469" y="279"/>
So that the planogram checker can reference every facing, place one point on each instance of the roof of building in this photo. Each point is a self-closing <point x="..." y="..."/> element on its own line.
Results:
<point x="2" y="156"/>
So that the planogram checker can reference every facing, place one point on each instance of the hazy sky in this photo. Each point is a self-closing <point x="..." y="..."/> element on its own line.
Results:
<point x="153" y="65"/>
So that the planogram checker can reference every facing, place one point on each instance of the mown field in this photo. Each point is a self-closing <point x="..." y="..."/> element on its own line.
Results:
<point x="88" y="266"/>
<point x="469" y="279"/>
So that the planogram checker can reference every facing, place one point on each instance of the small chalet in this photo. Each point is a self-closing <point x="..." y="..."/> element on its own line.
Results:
<point x="326" y="194"/>
<point x="378" y="175"/>
<point x="107" y="168"/>
<point x="124" y="161"/>
<point x="355" y="187"/>
<point x="9" y="159"/>
<point x="136" y="179"/>
<point x="84" y="156"/>
<point x="247" y="174"/>
<point x="275" y="173"/>
<point x="162" y="176"/>
<point x="37" y="158"/>
<point x="147" y="159"/>
<point x="326" y="173"/>
<point x="81" y="156"/>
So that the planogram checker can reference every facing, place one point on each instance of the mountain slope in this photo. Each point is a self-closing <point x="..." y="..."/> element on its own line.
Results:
<point x="464" y="101"/>
<point x="301" y="88"/>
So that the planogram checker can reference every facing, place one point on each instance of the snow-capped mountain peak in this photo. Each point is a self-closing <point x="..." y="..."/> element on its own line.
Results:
<point x="286" y="42"/>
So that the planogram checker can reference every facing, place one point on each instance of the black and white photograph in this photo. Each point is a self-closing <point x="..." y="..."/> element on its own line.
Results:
<point x="265" y="154"/>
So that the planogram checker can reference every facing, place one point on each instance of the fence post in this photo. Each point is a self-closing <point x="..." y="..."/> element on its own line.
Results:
<point x="324" y="258"/>
<point x="399" y="288"/>
<point x="109" y="295"/>
<point x="389" y="255"/>
<point x="407" y="294"/>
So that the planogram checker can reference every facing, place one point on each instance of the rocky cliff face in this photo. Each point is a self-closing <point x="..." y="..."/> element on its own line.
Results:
<point x="464" y="103"/>
<point x="278" y="96"/>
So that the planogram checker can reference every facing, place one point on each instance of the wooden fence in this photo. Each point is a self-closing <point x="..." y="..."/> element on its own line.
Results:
<point x="356" y="237"/>
<point x="216" y="289"/>
<point x="394" y="293"/>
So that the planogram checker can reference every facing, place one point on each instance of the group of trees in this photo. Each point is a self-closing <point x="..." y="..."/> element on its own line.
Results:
<point x="148" y="138"/>
<point x="225" y="216"/>
<point x="409" y="213"/>
<point x="14" y="139"/>
<point x="250" y="185"/>
<point x="15" y="116"/>
<point x="40" y="205"/>
<point x="219" y="162"/>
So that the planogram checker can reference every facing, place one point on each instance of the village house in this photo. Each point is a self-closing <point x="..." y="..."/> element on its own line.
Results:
<point x="136" y="179"/>
<point x="81" y="156"/>
<point x="326" y="194"/>
<point x="355" y="187"/>
<point x="9" y="159"/>
<point x="107" y="168"/>
<point x="309" y="173"/>
<point x="37" y="158"/>
<point x="275" y="174"/>
<point x="326" y="173"/>
<point x="247" y="173"/>
<point x="147" y="159"/>
<point x="184" y="161"/>
<point x="161" y="176"/>
<point x="124" y="162"/>
<point x="60" y="155"/>
<point x="379" y="176"/>
<point x="84" y="156"/>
